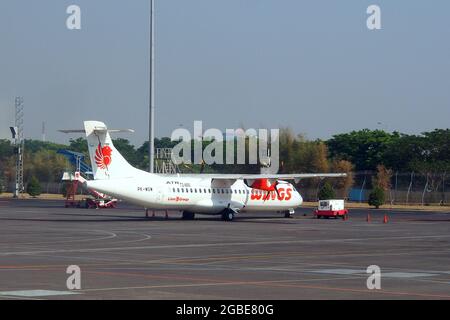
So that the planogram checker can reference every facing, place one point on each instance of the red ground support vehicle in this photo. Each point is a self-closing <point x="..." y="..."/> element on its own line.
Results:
<point x="331" y="208"/>
<point x="97" y="201"/>
<point x="90" y="203"/>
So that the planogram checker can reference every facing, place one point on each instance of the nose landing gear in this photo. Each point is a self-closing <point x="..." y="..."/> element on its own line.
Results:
<point x="228" y="215"/>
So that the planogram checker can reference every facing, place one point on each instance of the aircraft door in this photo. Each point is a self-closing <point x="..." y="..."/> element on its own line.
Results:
<point x="160" y="194"/>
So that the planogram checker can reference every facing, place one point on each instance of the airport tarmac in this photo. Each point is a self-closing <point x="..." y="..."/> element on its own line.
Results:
<point x="123" y="255"/>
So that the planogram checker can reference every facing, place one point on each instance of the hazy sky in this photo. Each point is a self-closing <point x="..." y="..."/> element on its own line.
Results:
<point x="311" y="65"/>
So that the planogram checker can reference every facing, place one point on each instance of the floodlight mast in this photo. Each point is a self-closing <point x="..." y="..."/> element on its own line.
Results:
<point x="151" y="124"/>
<point x="19" y="142"/>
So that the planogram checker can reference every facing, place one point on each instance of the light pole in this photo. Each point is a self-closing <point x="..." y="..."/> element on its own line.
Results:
<point x="19" y="142"/>
<point x="151" y="124"/>
<point x="14" y="134"/>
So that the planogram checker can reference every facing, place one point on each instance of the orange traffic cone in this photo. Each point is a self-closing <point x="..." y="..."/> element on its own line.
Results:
<point x="368" y="217"/>
<point x="385" y="219"/>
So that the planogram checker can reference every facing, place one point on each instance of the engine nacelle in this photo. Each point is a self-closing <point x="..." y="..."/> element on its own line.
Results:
<point x="262" y="184"/>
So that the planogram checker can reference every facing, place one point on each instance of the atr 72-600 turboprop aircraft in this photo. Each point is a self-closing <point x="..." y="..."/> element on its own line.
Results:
<point x="216" y="194"/>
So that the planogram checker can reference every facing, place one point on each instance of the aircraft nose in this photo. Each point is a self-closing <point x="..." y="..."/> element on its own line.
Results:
<point x="299" y="199"/>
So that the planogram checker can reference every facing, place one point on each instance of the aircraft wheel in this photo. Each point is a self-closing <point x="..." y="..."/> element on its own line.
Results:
<point x="228" y="216"/>
<point x="188" y="215"/>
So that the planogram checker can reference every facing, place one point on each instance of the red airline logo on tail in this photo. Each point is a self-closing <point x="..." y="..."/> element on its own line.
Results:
<point x="103" y="156"/>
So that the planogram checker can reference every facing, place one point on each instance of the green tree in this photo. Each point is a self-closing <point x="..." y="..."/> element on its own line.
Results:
<point x="37" y="145"/>
<point x="327" y="192"/>
<point x="383" y="178"/>
<point x="402" y="153"/>
<point x="79" y="145"/>
<point x="6" y="149"/>
<point x="288" y="144"/>
<point x="2" y="182"/>
<point x="46" y="166"/>
<point x="34" y="187"/>
<point x="427" y="152"/>
<point x="377" y="197"/>
<point x="364" y="148"/>
<point x="343" y="184"/>
<point x="142" y="151"/>
<point x="127" y="150"/>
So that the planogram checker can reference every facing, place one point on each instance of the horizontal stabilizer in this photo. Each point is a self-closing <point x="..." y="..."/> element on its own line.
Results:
<point x="97" y="129"/>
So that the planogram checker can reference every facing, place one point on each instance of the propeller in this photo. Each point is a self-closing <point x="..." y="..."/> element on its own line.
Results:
<point x="275" y="188"/>
<point x="264" y="185"/>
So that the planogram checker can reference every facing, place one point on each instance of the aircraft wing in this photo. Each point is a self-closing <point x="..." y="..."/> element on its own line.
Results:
<point x="289" y="176"/>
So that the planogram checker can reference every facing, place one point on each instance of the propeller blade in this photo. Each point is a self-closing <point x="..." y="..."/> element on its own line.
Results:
<point x="276" y="190"/>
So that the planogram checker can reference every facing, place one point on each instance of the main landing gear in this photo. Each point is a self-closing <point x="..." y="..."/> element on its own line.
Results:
<point x="289" y="213"/>
<point x="188" y="215"/>
<point x="147" y="211"/>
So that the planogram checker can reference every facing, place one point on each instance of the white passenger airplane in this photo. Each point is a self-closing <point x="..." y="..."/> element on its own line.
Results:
<point x="215" y="194"/>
